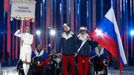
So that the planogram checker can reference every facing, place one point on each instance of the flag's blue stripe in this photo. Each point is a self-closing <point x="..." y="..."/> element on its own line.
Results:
<point x="108" y="27"/>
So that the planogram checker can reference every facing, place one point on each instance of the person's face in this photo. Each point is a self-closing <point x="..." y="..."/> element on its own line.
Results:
<point x="65" y="28"/>
<point x="39" y="47"/>
<point x="83" y="31"/>
<point x="27" y="29"/>
<point x="53" y="52"/>
<point x="99" y="47"/>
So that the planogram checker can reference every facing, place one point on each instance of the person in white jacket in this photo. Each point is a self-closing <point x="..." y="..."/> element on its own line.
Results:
<point x="25" y="47"/>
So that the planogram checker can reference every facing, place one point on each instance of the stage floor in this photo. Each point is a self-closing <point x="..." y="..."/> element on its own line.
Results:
<point x="13" y="71"/>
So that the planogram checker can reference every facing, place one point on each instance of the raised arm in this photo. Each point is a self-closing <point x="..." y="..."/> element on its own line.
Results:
<point x="17" y="33"/>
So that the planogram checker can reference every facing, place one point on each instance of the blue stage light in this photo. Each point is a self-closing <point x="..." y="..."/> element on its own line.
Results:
<point x="132" y="32"/>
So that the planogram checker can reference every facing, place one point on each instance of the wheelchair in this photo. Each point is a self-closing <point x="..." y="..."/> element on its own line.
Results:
<point x="37" y="68"/>
<point x="100" y="65"/>
<point x="55" y="66"/>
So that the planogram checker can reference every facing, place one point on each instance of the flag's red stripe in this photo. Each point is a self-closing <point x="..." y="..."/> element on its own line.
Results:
<point x="107" y="43"/>
<point x="121" y="68"/>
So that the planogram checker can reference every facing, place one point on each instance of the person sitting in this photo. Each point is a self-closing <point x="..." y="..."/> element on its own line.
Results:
<point x="40" y="59"/>
<point x="54" y="67"/>
<point x="100" y="59"/>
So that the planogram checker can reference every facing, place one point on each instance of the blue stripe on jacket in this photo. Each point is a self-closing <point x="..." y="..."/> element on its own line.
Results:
<point x="85" y="50"/>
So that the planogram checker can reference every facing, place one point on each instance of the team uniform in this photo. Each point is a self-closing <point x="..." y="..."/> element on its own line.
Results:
<point x="100" y="60"/>
<point x="25" y="49"/>
<point x="68" y="48"/>
<point x="39" y="59"/>
<point x="83" y="54"/>
<point x="100" y="54"/>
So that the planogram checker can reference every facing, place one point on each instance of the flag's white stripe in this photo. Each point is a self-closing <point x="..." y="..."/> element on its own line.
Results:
<point x="111" y="16"/>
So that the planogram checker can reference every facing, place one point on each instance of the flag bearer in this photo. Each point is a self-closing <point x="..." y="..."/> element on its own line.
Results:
<point x="83" y="54"/>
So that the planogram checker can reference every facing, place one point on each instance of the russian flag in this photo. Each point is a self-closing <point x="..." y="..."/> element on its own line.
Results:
<point x="107" y="35"/>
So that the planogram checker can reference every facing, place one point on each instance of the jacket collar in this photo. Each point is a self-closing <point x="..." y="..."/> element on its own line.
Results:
<point x="64" y="35"/>
<point x="97" y="51"/>
<point x="37" y="53"/>
<point x="82" y="38"/>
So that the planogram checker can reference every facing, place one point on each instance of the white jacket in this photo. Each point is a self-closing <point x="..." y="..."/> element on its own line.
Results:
<point x="26" y="37"/>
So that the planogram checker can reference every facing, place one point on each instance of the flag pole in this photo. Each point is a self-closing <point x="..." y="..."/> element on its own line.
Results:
<point x="21" y="31"/>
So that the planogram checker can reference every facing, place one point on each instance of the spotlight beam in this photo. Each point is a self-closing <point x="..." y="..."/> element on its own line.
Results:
<point x="38" y="32"/>
<point x="52" y="32"/>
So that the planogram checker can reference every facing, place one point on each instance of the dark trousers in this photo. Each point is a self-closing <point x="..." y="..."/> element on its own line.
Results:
<point x="39" y="70"/>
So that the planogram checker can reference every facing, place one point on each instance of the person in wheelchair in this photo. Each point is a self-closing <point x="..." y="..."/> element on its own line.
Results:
<point x="39" y="60"/>
<point x="100" y="60"/>
<point x="54" y="67"/>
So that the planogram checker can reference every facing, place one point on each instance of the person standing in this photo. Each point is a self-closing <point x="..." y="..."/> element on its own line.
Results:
<point x="83" y="54"/>
<point x="67" y="49"/>
<point x="25" y="47"/>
